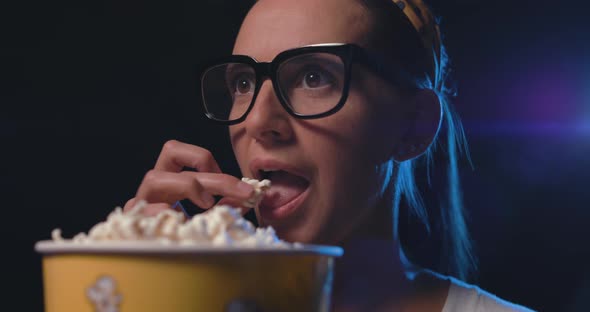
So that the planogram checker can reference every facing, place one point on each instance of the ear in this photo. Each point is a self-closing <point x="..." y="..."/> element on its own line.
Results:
<point x="424" y="118"/>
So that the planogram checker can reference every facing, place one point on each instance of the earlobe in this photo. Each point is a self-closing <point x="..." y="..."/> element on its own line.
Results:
<point x="425" y="115"/>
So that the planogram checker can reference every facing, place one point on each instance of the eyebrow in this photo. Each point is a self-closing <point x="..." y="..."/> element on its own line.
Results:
<point x="325" y="61"/>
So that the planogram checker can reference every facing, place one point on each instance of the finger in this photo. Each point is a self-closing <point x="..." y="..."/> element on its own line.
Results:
<point x="176" y="155"/>
<point x="169" y="187"/>
<point x="148" y="210"/>
<point x="154" y="209"/>
<point x="129" y="204"/>
<point x="222" y="184"/>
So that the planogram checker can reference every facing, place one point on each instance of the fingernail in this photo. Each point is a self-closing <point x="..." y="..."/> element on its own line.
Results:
<point x="245" y="188"/>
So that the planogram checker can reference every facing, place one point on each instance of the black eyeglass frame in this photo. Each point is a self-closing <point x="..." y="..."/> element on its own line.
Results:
<point x="349" y="53"/>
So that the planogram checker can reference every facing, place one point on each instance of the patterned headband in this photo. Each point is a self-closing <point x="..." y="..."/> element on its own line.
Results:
<point x="427" y="27"/>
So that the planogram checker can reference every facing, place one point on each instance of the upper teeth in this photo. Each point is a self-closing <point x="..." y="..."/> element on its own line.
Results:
<point x="264" y="172"/>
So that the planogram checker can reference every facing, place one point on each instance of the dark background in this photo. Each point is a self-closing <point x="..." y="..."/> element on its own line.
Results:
<point x="89" y="92"/>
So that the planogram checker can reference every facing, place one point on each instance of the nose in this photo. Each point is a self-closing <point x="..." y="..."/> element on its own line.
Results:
<point x="268" y="122"/>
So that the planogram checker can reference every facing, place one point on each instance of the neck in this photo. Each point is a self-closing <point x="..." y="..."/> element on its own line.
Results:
<point x="372" y="269"/>
<point x="374" y="274"/>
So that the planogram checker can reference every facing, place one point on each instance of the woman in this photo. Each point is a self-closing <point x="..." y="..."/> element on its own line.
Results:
<point x="334" y="101"/>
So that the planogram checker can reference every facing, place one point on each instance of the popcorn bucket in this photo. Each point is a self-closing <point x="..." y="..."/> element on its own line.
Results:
<point x="143" y="276"/>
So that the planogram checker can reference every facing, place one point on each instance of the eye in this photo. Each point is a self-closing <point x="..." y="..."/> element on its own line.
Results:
<point x="243" y="84"/>
<point x="315" y="78"/>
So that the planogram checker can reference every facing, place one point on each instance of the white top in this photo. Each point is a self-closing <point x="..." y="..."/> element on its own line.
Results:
<point x="469" y="298"/>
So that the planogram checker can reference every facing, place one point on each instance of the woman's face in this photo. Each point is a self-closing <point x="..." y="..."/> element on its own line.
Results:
<point x="329" y="172"/>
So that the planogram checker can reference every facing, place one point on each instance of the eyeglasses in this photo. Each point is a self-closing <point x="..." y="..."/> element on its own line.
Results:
<point x="310" y="82"/>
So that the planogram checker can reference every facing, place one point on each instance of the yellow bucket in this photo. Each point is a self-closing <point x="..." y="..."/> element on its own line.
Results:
<point x="140" y="276"/>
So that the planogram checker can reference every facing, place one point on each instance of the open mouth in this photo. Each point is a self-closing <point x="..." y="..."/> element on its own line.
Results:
<point x="285" y="194"/>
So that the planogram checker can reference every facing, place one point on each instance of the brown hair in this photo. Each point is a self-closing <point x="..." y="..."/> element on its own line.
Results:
<point x="395" y="35"/>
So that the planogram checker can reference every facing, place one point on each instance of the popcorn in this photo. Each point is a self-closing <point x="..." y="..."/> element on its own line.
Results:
<point x="56" y="235"/>
<point x="259" y="188"/>
<point x="221" y="225"/>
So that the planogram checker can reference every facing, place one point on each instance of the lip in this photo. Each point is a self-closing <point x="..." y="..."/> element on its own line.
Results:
<point x="284" y="211"/>
<point x="272" y="164"/>
<point x="289" y="208"/>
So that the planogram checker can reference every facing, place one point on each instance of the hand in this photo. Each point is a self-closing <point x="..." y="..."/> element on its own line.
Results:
<point x="165" y="185"/>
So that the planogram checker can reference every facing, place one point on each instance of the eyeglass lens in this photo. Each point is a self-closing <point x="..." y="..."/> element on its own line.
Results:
<point x="309" y="84"/>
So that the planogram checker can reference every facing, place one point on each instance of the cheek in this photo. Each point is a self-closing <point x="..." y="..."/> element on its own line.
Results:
<point x="366" y="129"/>
<point x="239" y="147"/>
<point x="385" y="114"/>
<point x="353" y="144"/>
<point x="349" y="145"/>
<point x="346" y="182"/>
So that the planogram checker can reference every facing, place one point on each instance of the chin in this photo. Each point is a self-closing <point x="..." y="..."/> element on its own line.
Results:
<point x="306" y="225"/>
<point x="299" y="232"/>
